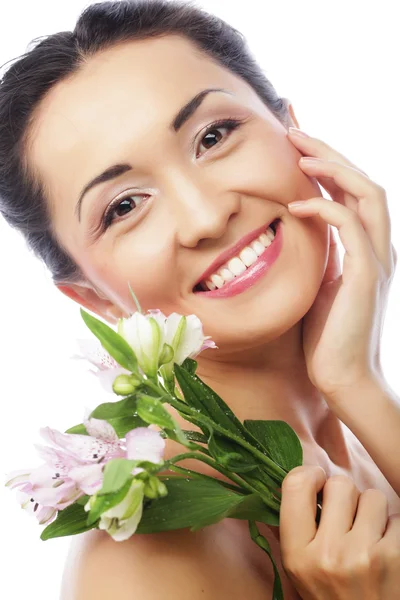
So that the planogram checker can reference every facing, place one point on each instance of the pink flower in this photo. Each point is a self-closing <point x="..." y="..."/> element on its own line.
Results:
<point x="20" y="480"/>
<point x="144" y="443"/>
<point x="107" y="369"/>
<point x="122" y="520"/>
<point x="73" y="466"/>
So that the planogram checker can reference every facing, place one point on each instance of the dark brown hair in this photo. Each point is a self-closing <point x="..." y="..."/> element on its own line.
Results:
<point x="58" y="56"/>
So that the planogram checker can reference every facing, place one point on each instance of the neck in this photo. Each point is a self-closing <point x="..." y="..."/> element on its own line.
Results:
<point x="271" y="382"/>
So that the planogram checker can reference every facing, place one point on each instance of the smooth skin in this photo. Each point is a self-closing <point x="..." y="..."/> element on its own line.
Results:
<point x="191" y="203"/>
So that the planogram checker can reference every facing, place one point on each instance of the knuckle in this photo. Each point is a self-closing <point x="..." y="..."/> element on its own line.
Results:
<point x="383" y="556"/>
<point x="300" y="476"/>
<point x="328" y="565"/>
<point x="372" y="494"/>
<point x="380" y="190"/>
<point x="342" y="479"/>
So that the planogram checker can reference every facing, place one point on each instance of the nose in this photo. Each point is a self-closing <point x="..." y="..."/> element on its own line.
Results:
<point x="200" y="210"/>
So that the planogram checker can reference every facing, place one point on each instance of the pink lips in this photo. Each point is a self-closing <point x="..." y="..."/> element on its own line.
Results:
<point x="252" y="274"/>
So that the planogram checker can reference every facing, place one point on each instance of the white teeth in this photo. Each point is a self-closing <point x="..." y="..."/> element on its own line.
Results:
<point x="210" y="285"/>
<point x="248" y="256"/>
<point x="236" y="266"/>
<point x="264" y="239"/>
<point x="217" y="280"/>
<point x="226" y="274"/>
<point x="270" y="233"/>
<point x="258" y="247"/>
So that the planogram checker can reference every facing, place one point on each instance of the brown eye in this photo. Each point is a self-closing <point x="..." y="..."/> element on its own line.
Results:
<point x="124" y="207"/>
<point x="120" y="208"/>
<point x="212" y="136"/>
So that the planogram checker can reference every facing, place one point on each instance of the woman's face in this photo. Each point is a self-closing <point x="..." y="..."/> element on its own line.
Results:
<point x="185" y="197"/>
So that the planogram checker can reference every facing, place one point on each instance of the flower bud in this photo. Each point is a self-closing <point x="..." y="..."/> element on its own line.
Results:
<point x="154" y="488"/>
<point x="166" y="355"/>
<point x="125" y="384"/>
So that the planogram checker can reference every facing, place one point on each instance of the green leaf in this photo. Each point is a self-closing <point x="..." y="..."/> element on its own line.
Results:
<point x="279" y="441"/>
<point x="252" y="507"/>
<point x="262" y="542"/>
<point x="111" y="341"/>
<point x="102" y="503"/>
<point x="81" y="429"/>
<point x="189" y="365"/>
<point x="230" y="455"/>
<point x="69" y="521"/>
<point x="116" y="473"/>
<point x="122" y="425"/>
<point x="83" y="500"/>
<point x="195" y="436"/>
<point x="195" y="503"/>
<point x="201" y="397"/>
<point x="109" y="410"/>
<point x="152" y="411"/>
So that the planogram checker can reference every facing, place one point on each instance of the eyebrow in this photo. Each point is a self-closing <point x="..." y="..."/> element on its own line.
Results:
<point x="178" y="121"/>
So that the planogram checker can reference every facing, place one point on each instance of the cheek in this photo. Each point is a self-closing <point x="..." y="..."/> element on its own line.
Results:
<point x="147" y="267"/>
<point x="267" y="167"/>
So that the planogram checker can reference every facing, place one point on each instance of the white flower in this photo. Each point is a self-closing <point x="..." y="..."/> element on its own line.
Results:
<point x="145" y="335"/>
<point x="122" y="520"/>
<point x="148" y="334"/>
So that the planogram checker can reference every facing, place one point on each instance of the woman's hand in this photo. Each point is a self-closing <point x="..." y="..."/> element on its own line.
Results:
<point x="342" y="330"/>
<point x="353" y="554"/>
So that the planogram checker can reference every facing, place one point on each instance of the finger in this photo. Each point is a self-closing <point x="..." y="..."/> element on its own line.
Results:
<point x="391" y="536"/>
<point x="297" y="525"/>
<point x="333" y="268"/>
<point x="339" y="504"/>
<point x="312" y="146"/>
<point x="356" y="243"/>
<point x="372" y="204"/>
<point x="372" y="515"/>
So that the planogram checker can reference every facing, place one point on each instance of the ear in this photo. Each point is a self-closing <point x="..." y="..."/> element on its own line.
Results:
<point x="292" y="121"/>
<point x="91" y="299"/>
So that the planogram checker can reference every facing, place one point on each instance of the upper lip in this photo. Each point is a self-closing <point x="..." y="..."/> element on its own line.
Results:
<point x="233" y="251"/>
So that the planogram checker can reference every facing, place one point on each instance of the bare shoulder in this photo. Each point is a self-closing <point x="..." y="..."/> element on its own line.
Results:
<point x="179" y="564"/>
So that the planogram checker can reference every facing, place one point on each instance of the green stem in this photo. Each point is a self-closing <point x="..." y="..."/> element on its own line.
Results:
<point x="212" y="463"/>
<point x="153" y="386"/>
<point x="262" y="542"/>
<point x="196" y="475"/>
<point x="271" y="467"/>
<point x="263" y="491"/>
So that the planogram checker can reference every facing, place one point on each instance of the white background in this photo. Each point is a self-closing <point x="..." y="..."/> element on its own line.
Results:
<point x="339" y="63"/>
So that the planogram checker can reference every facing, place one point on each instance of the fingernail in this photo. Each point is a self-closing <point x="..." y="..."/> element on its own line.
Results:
<point x="310" y="160"/>
<point x="298" y="132"/>
<point x="297" y="204"/>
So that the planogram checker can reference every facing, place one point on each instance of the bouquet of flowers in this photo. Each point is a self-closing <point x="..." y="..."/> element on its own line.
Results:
<point x="109" y="472"/>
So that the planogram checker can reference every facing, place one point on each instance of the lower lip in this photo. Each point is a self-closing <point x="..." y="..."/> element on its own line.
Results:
<point x="252" y="274"/>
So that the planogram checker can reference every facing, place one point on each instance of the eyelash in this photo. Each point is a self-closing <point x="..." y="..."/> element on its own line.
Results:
<point x="230" y="124"/>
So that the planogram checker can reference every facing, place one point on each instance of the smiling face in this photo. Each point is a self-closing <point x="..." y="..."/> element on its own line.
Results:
<point x="181" y="195"/>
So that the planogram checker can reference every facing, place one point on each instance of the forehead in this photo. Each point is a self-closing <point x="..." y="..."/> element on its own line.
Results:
<point x="118" y="99"/>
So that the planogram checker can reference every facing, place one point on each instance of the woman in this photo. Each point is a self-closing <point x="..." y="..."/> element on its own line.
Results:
<point x="148" y="147"/>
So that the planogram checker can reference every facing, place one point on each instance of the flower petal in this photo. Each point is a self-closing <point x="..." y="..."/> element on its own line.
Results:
<point x="98" y="428"/>
<point x="93" y="351"/>
<point x="88" y="478"/>
<point x="18" y="478"/>
<point x="43" y="476"/>
<point x="143" y="443"/>
<point x="126" y="528"/>
<point x="46" y="514"/>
